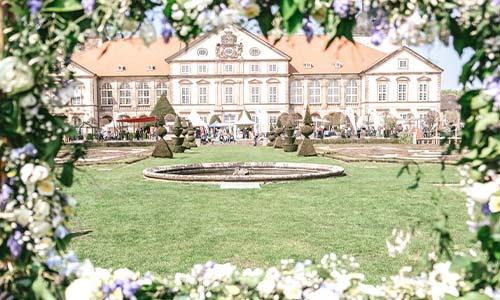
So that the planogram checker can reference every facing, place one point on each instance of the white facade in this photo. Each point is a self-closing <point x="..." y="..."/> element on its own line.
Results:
<point x="232" y="70"/>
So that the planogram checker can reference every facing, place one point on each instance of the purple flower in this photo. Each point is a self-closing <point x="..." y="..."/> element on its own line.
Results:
<point x="35" y="6"/>
<point x="495" y="2"/>
<point x="28" y="149"/>
<point x="378" y="31"/>
<point x="88" y="6"/>
<point x="342" y="7"/>
<point x="166" y="30"/>
<point x="485" y="209"/>
<point x="308" y="29"/>
<point x="244" y="3"/>
<point x="493" y="88"/>
<point x="15" y="244"/>
<point x="129" y="288"/>
<point x="4" y="195"/>
<point x="61" y="232"/>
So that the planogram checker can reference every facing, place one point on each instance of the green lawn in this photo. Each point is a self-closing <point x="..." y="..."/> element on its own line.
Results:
<point x="167" y="227"/>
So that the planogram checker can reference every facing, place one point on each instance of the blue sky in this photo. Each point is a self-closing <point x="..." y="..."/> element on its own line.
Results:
<point x="440" y="54"/>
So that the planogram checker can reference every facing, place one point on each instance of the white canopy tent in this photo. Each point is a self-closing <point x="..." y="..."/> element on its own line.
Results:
<point x="244" y="120"/>
<point x="195" y="119"/>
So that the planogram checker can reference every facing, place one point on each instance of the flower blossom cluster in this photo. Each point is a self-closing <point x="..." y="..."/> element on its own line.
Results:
<point x="483" y="197"/>
<point x="31" y="209"/>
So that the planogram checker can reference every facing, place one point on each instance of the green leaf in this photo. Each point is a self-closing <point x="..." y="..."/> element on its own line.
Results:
<point x="486" y="120"/>
<point x="41" y="289"/>
<point x="292" y="24"/>
<point x="63" y="6"/>
<point x="265" y="20"/>
<point x="287" y="9"/>
<point x="476" y="296"/>
<point x="66" y="177"/>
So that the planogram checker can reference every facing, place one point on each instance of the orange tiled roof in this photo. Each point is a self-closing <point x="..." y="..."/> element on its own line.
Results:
<point x="135" y="56"/>
<point x="354" y="57"/>
<point x="131" y="53"/>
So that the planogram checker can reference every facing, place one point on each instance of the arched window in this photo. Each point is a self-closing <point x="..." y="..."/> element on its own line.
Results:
<point x="125" y="94"/>
<point x="106" y="94"/>
<point x="143" y="94"/>
<point x="77" y="93"/>
<point x="314" y="92"/>
<point x="296" y="92"/>
<point x="351" y="91"/>
<point x="161" y="88"/>
<point x="333" y="94"/>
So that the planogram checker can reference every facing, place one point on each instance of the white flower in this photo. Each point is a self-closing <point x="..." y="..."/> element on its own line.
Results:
<point x="65" y="94"/>
<point x="292" y="289"/>
<point x="481" y="192"/>
<point x="124" y="274"/>
<point x="177" y="15"/>
<point x="31" y="173"/>
<point x="15" y="75"/>
<point x="22" y="216"/>
<point x="322" y="294"/>
<point x="39" y="228"/>
<point x="266" y="287"/>
<point x="82" y="289"/>
<point x="494" y="204"/>
<point x="442" y="281"/>
<point x="228" y="16"/>
<point x="41" y="209"/>
<point x="46" y="187"/>
<point x="27" y="100"/>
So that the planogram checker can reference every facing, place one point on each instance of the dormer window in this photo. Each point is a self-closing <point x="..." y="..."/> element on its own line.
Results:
<point x="150" y="68"/>
<point x="185" y="69"/>
<point x="338" y="65"/>
<point x="120" y="68"/>
<point x="308" y="65"/>
<point x="403" y="63"/>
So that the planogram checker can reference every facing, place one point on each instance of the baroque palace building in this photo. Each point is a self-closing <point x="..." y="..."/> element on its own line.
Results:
<point x="230" y="70"/>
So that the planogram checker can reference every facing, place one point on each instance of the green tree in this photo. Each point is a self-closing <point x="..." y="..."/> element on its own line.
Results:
<point x="214" y="118"/>
<point x="161" y="109"/>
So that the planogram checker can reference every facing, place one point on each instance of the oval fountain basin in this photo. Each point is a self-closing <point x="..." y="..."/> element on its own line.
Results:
<point x="243" y="172"/>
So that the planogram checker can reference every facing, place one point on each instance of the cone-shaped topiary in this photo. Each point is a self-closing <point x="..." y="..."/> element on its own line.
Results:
<point x="214" y="118"/>
<point x="191" y="137"/>
<point x="307" y="118"/>
<point x="185" y="130"/>
<point x="271" y="136"/>
<point x="161" y="109"/>
<point x="278" y="143"/>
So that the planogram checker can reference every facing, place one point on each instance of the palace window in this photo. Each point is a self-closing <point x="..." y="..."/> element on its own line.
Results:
<point x="351" y="91"/>
<point x="229" y="118"/>
<point x="314" y="91"/>
<point x="333" y="95"/>
<point x="403" y="63"/>
<point x="203" y="94"/>
<point x="296" y="92"/>
<point x="106" y="94"/>
<point x="273" y="120"/>
<point x="228" y="68"/>
<point x="228" y="95"/>
<point x="402" y="91"/>
<point x="272" y="68"/>
<point x="185" y="95"/>
<point x="273" y="94"/>
<point x="254" y="68"/>
<point x="202" y="69"/>
<point x="76" y="121"/>
<point x="423" y="91"/>
<point x="125" y="94"/>
<point x="185" y="69"/>
<point x="161" y="88"/>
<point x="143" y="93"/>
<point x="255" y="94"/>
<point x="382" y="92"/>
<point x="77" y="94"/>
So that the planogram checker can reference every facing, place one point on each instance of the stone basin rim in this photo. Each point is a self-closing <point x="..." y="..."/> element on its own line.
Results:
<point x="315" y="171"/>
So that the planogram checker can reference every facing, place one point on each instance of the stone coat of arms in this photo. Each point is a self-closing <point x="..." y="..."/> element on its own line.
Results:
<point x="228" y="47"/>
